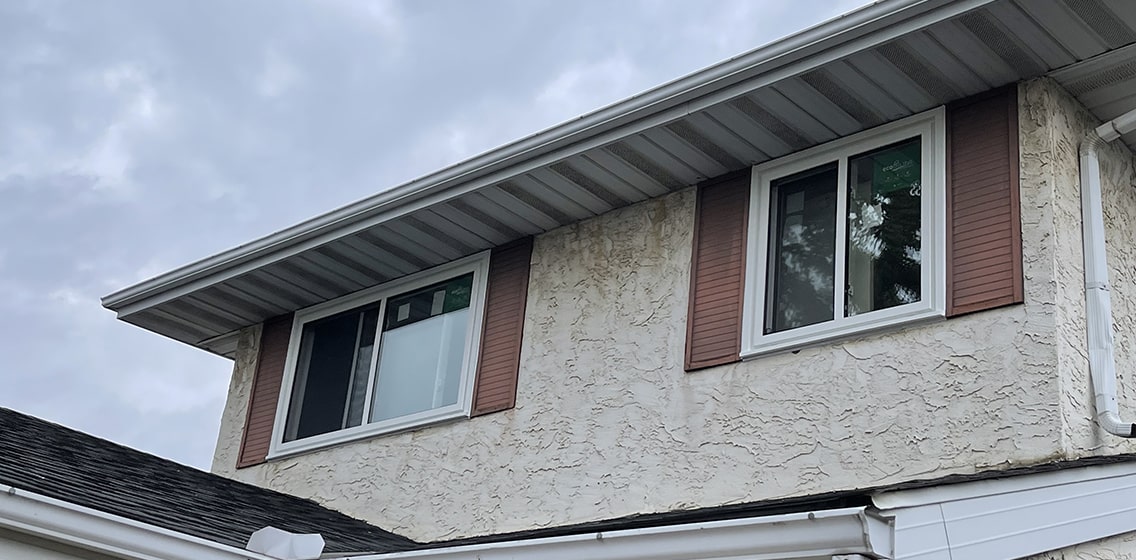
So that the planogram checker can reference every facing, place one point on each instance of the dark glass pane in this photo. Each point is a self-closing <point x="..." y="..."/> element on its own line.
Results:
<point x="361" y="379"/>
<point x="884" y="216"/>
<point x="323" y="372"/>
<point x="431" y="301"/>
<point x="802" y="249"/>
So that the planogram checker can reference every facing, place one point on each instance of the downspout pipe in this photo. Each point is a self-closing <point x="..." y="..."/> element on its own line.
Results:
<point x="1098" y="305"/>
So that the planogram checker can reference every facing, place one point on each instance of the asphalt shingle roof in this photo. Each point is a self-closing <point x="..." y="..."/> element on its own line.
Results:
<point x="65" y="464"/>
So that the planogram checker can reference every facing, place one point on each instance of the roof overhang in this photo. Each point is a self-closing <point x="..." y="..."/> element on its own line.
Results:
<point x="880" y="63"/>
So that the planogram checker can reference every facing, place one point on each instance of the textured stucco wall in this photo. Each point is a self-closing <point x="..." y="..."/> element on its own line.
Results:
<point x="608" y="424"/>
<point x="228" y="448"/>
<point x="1119" y="547"/>
<point x="1053" y="125"/>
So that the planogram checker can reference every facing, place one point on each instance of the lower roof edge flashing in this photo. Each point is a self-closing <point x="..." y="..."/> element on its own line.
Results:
<point x="825" y="533"/>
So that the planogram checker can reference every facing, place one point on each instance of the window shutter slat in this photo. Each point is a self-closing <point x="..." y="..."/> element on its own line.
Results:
<point x="265" y="390"/>
<point x="500" y="358"/>
<point x="717" y="273"/>
<point x="982" y="204"/>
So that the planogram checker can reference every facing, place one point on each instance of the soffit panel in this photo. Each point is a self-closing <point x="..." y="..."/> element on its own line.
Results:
<point x="997" y="44"/>
<point x="1106" y="84"/>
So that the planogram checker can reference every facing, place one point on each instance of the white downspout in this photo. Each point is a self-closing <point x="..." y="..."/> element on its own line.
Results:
<point x="1098" y="306"/>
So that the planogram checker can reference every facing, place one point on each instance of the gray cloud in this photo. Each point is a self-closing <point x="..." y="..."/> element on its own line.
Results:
<point x="138" y="136"/>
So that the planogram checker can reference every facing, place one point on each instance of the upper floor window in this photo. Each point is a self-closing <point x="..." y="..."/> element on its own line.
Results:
<point x="847" y="236"/>
<point x="384" y="359"/>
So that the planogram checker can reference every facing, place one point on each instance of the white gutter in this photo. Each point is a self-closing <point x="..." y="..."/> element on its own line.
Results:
<point x="819" y="534"/>
<point x="74" y="525"/>
<point x="793" y="55"/>
<point x="1098" y="305"/>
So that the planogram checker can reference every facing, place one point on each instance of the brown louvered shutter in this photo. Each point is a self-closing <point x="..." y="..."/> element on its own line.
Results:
<point x="984" y="238"/>
<point x="500" y="356"/>
<point x="717" y="273"/>
<point x="265" y="390"/>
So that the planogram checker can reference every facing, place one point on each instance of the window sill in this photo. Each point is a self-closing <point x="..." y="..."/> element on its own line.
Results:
<point x="873" y="323"/>
<point x="366" y="431"/>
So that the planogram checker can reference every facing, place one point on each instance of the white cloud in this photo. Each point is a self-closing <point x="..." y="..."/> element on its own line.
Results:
<point x="383" y="17"/>
<point x="586" y="86"/>
<point x="107" y="160"/>
<point x="278" y="76"/>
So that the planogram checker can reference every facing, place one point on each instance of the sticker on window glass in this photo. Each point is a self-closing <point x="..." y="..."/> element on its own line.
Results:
<point x="439" y="301"/>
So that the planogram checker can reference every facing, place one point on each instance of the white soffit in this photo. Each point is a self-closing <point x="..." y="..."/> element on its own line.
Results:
<point x="797" y="536"/>
<point x="880" y="63"/>
<point x="1012" y="517"/>
<point x="1105" y="84"/>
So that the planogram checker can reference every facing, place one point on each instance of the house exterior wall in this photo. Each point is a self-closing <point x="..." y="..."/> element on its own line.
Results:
<point x="607" y="423"/>
<point x="229" y="435"/>
<point x="1053" y="126"/>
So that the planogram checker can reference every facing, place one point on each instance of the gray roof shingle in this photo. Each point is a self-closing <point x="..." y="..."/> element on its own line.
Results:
<point x="65" y="464"/>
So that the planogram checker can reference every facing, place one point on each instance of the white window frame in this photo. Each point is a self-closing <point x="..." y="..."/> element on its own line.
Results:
<point x="477" y="264"/>
<point x="931" y="127"/>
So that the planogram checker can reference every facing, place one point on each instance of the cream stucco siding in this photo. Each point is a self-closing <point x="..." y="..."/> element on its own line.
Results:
<point x="1053" y="125"/>
<point x="608" y="424"/>
<point x="236" y="406"/>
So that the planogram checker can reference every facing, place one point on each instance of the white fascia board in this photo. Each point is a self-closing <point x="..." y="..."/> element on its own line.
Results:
<point x="816" y="534"/>
<point x="853" y="32"/>
<point x="984" y="488"/>
<point x="1012" y="517"/>
<point x="64" y="522"/>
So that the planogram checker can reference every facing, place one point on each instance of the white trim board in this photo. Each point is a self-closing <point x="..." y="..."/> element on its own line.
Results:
<point x="1012" y="517"/>
<point x="64" y="522"/>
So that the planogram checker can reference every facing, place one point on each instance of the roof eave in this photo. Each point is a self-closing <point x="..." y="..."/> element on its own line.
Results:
<point x="784" y="58"/>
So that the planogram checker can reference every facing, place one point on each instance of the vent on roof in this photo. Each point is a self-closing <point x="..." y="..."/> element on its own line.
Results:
<point x="644" y="164"/>
<point x="1112" y="76"/>
<point x="1001" y="43"/>
<point x="821" y="81"/>
<point x="588" y="184"/>
<point x="277" y="543"/>
<point x="534" y="201"/>
<point x="1103" y="22"/>
<point x="684" y="130"/>
<point x="771" y="122"/>
<point x="923" y="74"/>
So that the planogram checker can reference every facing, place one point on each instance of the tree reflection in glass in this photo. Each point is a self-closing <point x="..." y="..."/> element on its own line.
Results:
<point x="802" y="249"/>
<point x="884" y="257"/>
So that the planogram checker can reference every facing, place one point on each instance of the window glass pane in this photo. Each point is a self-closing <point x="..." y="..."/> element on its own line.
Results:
<point x="884" y="216"/>
<point x="361" y="378"/>
<point x="422" y="349"/>
<point x="802" y="250"/>
<point x="327" y="360"/>
<point x="429" y="302"/>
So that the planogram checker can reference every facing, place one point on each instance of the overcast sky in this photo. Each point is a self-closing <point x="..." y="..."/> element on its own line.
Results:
<point x="136" y="136"/>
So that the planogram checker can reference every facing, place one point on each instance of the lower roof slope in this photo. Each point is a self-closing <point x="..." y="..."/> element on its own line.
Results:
<point x="61" y="463"/>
